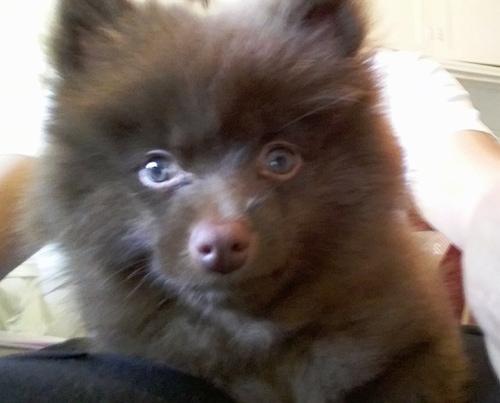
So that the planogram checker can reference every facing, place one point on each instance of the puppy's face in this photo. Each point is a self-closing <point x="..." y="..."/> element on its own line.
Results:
<point x="213" y="150"/>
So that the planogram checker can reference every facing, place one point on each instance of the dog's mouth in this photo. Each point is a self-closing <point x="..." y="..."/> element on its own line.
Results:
<point x="204" y="290"/>
<point x="193" y="277"/>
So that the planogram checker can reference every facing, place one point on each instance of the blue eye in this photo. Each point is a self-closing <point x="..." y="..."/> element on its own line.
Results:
<point x="161" y="171"/>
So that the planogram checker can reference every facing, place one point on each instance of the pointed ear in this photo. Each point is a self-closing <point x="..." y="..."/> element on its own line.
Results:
<point x="77" y="22"/>
<point x="340" y="20"/>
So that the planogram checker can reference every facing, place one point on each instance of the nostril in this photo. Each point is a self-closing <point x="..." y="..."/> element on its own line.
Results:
<point x="205" y="249"/>
<point x="238" y="247"/>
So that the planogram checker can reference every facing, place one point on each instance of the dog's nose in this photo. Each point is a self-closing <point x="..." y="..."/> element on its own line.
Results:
<point x="221" y="246"/>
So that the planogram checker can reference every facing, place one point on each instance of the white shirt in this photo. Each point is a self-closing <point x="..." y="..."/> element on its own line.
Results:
<point x="423" y="103"/>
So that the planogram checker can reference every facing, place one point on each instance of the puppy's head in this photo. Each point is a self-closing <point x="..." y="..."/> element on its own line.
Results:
<point x="214" y="149"/>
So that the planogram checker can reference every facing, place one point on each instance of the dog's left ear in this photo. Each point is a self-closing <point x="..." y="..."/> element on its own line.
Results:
<point x="77" y="28"/>
<point x="340" y="20"/>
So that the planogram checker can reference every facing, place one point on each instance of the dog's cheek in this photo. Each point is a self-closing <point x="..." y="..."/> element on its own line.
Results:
<point x="276" y="235"/>
<point x="172" y="219"/>
<point x="108" y="225"/>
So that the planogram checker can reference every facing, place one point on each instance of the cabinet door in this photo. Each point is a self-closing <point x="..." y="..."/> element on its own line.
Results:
<point x="472" y="31"/>
<point x="397" y="24"/>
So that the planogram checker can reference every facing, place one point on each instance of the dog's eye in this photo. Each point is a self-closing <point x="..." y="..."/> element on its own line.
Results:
<point x="279" y="160"/>
<point x="161" y="171"/>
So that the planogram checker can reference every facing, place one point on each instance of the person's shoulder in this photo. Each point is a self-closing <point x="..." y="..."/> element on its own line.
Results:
<point x="388" y="57"/>
<point x="404" y="63"/>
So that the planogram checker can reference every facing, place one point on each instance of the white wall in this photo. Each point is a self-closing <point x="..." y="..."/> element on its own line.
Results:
<point x="22" y="68"/>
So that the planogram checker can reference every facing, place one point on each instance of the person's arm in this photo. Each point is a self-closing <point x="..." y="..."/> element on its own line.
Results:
<point x="481" y="262"/>
<point x="15" y="174"/>
<point x="452" y="158"/>
<point x="454" y="179"/>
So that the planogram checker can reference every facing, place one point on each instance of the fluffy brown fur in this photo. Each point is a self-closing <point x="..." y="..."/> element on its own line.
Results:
<point x="331" y="301"/>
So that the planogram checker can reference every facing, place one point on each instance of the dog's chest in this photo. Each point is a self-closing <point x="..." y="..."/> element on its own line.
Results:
<point x="255" y="360"/>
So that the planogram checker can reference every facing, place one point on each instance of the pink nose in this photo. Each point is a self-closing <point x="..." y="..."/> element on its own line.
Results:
<point x="220" y="246"/>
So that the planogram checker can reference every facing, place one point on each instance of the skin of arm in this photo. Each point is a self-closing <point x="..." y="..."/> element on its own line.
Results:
<point x="16" y="172"/>
<point x="459" y="195"/>
<point x="455" y="178"/>
<point x="481" y="262"/>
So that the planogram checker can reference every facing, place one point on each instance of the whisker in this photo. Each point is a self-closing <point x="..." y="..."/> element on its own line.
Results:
<point x="143" y="280"/>
<point x="135" y="272"/>
<point x="136" y="267"/>
<point x="256" y="201"/>
<point x="325" y="103"/>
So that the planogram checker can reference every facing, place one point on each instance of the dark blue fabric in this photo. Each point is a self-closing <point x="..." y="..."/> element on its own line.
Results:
<point x="485" y="387"/>
<point x="65" y="377"/>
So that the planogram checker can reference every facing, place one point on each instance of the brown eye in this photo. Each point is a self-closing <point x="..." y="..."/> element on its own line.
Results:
<point x="279" y="160"/>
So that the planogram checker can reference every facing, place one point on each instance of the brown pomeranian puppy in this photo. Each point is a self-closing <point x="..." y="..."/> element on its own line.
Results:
<point x="232" y="202"/>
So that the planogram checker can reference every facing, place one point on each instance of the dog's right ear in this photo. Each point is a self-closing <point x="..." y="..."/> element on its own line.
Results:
<point x="78" y="24"/>
<point x="340" y="20"/>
